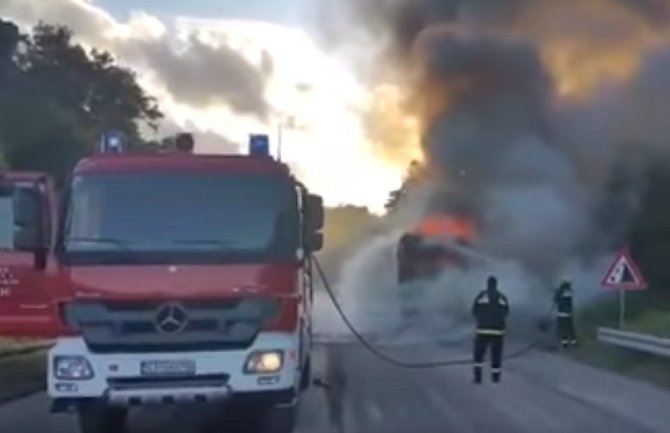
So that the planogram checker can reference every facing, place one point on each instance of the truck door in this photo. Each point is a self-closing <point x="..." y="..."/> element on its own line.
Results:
<point x="26" y="228"/>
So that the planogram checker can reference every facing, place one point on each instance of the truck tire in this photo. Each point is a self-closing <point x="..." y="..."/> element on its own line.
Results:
<point x="306" y="375"/>
<point x="279" y="420"/>
<point x="98" y="418"/>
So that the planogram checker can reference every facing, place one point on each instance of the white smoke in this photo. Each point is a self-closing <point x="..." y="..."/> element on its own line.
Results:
<point x="373" y="301"/>
<point x="537" y="169"/>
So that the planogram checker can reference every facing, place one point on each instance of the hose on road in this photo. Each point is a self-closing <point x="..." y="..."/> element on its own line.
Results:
<point x="396" y="362"/>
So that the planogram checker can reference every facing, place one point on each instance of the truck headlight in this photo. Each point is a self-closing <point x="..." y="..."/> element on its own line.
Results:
<point x="264" y="362"/>
<point x="72" y="368"/>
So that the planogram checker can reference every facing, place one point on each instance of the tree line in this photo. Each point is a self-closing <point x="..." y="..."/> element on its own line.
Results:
<point x="57" y="98"/>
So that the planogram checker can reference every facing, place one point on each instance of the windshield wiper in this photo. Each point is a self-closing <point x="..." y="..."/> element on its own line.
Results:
<point x="212" y="242"/>
<point x="120" y="243"/>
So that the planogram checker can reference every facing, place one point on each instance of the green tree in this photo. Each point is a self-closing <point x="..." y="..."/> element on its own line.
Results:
<point x="58" y="98"/>
<point x="650" y="234"/>
<point x="414" y="173"/>
<point x="347" y="229"/>
<point x="9" y="39"/>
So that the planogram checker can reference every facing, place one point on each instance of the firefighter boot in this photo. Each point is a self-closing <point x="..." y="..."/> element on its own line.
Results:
<point x="477" y="375"/>
<point x="495" y="377"/>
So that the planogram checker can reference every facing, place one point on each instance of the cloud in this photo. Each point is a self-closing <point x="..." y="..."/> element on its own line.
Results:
<point x="203" y="75"/>
<point x="211" y="142"/>
<point x="267" y="63"/>
<point x="304" y="87"/>
<point x="91" y="22"/>
<point x="206" y="140"/>
<point x="230" y="77"/>
<point x="194" y="71"/>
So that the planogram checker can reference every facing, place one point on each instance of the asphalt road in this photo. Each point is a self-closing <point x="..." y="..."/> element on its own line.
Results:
<point x="540" y="393"/>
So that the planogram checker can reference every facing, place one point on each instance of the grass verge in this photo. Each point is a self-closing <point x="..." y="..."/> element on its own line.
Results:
<point x="22" y="375"/>
<point x="12" y="346"/>
<point x="647" y="312"/>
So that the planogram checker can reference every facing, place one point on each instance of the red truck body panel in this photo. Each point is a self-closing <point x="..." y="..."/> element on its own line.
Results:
<point x="26" y="307"/>
<point x="36" y="311"/>
<point x="181" y="162"/>
<point x="176" y="282"/>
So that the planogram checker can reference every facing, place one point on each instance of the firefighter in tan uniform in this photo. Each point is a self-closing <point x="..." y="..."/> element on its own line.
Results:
<point x="565" y="324"/>
<point x="490" y="310"/>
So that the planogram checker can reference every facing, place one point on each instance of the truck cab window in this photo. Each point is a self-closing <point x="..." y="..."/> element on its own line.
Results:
<point x="6" y="223"/>
<point x="181" y="217"/>
<point x="23" y="196"/>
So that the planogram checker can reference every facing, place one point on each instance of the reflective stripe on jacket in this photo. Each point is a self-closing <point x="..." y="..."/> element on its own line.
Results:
<point x="491" y="332"/>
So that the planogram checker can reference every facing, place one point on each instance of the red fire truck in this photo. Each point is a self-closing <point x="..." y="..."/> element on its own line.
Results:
<point x="165" y="278"/>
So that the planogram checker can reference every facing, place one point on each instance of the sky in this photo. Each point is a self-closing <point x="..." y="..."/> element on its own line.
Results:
<point x="288" y="12"/>
<point x="228" y="68"/>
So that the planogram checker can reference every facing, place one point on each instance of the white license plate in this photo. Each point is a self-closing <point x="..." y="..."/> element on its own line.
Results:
<point x="168" y="368"/>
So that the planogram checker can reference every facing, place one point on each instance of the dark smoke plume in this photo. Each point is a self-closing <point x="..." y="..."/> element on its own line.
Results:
<point x="530" y="112"/>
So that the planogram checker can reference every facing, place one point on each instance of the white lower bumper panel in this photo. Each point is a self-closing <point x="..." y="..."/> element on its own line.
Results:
<point x="120" y="378"/>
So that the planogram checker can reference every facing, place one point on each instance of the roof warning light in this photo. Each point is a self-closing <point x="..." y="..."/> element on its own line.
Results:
<point x="259" y="145"/>
<point x="112" y="142"/>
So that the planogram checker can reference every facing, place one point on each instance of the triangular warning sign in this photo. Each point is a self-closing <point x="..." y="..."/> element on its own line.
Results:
<point x="624" y="274"/>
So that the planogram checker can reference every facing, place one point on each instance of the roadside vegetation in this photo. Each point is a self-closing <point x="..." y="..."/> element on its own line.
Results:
<point x="74" y="92"/>
<point x="22" y="375"/>
<point x="347" y="229"/>
<point x="18" y="346"/>
<point x="647" y="312"/>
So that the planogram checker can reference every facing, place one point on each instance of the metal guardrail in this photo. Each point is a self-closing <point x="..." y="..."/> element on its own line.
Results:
<point x="635" y="341"/>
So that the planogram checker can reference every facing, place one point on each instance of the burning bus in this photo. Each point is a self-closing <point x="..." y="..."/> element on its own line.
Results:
<point x="437" y="243"/>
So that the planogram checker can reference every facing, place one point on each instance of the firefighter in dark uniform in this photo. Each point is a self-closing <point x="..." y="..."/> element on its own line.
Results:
<point x="490" y="309"/>
<point x="565" y="324"/>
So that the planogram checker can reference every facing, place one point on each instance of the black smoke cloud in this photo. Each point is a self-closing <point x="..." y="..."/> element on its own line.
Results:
<point x="494" y="92"/>
<point x="491" y="140"/>
<point x="656" y="12"/>
<point x="549" y="179"/>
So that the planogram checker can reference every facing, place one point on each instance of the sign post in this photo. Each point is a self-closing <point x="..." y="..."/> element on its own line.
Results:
<point x="622" y="308"/>
<point x="624" y="275"/>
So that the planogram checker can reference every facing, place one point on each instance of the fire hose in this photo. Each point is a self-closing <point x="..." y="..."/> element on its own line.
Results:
<point x="404" y="364"/>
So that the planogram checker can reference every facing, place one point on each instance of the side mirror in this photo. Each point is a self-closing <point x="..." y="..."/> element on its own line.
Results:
<point x="6" y="190"/>
<point x="28" y="221"/>
<point x="314" y="241"/>
<point x="314" y="214"/>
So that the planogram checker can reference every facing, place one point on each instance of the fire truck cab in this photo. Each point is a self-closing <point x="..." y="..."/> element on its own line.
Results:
<point x="168" y="278"/>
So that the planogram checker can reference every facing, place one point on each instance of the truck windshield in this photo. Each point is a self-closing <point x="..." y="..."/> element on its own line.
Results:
<point x="192" y="218"/>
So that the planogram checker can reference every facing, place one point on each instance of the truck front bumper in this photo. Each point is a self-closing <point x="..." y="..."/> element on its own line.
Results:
<point x="118" y="379"/>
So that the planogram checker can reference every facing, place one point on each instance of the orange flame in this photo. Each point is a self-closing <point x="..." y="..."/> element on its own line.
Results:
<point x="447" y="226"/>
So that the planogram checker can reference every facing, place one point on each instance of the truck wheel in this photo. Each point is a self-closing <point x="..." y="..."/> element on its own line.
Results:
<point x="306" y="375"/>
<point x="279" y="420"/>
<point x="97" y="418"/>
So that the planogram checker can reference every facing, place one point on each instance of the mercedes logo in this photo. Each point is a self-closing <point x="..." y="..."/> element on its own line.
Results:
<point x="171" y="318"/>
